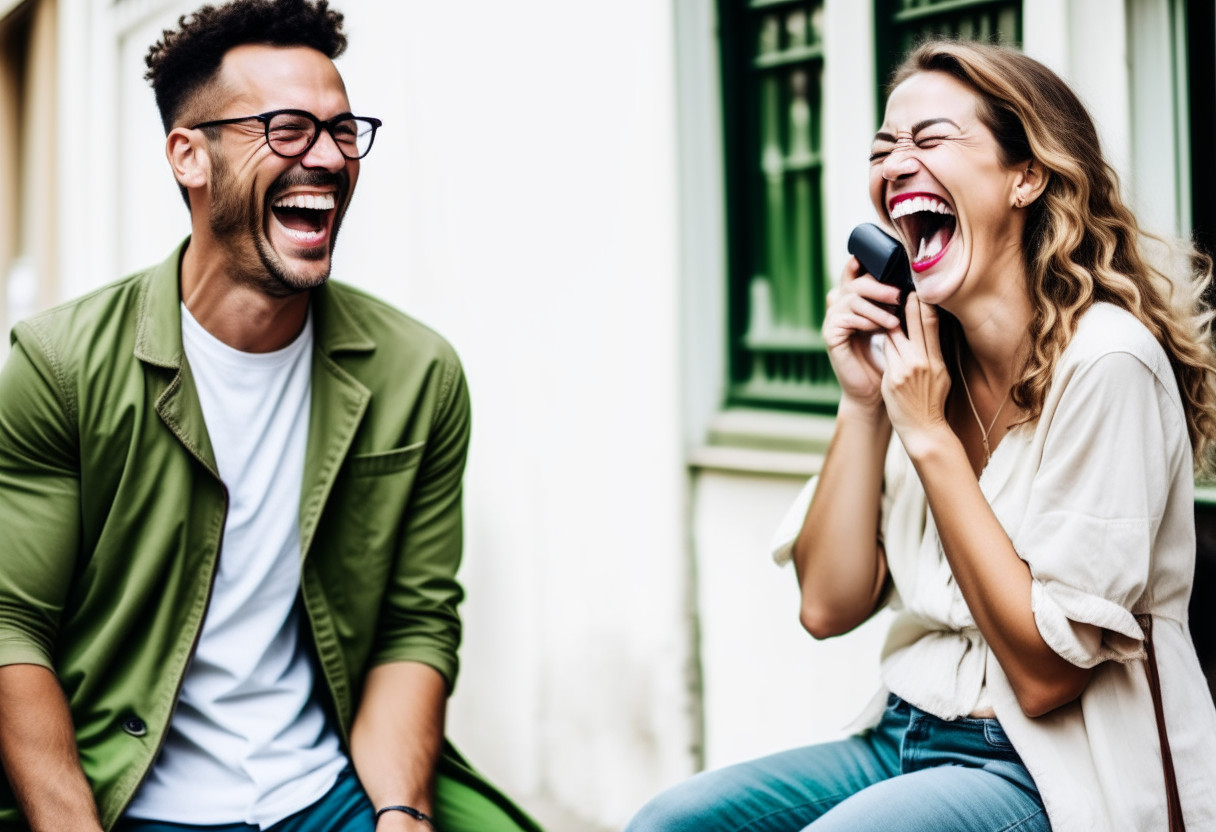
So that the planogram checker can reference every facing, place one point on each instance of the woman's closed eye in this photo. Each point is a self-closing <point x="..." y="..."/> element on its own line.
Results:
<point x="929" y="142"/>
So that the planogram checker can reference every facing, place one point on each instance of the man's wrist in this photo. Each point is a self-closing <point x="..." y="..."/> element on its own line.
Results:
<point x="417" y="813"/>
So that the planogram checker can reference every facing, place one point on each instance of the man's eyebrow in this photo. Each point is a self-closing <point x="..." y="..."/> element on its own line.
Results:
<point x="916" y="128"/>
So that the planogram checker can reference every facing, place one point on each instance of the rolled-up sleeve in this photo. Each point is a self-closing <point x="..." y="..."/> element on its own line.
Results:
<point x="39" y="501"/>
<point x="1113" y="448"/>
<point x="782" y="545"/>
<point x="419" y="620"/>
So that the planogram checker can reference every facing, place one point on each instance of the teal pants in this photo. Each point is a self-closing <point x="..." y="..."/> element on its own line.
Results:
<point x="913" y="773"/>
<point x="464" y="802"/>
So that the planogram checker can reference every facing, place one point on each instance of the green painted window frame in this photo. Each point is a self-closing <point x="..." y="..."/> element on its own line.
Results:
<point x="772" y="66"/>
<point x="900" y="24"/>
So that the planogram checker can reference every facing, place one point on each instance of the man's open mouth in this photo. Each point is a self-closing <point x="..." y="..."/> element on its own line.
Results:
<point x="927" y="224"/>
<point x="305" y="218"/>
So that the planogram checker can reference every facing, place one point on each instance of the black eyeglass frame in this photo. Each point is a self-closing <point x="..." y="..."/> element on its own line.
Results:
<point x="318" y="126"/>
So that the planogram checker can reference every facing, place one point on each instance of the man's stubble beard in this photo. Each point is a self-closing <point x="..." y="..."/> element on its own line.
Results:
<point x="236" y="220"/>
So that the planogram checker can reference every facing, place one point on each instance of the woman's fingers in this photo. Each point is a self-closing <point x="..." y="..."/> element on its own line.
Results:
<point x="916" y="333"/>
<point x="933" y="343"/>
<point x="848" y="310"/>
<point x="877" y="317"/>
<point x="852" y="271"/>
<point x="872" y="290"/>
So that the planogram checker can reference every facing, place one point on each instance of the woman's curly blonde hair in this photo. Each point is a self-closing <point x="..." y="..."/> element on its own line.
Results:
<point x="1082" y="244"/>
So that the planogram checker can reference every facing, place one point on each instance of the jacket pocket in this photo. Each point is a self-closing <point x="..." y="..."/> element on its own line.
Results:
<point x="386" y="462"/>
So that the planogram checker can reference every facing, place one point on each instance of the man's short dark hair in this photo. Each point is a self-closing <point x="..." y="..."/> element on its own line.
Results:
<point x="184" y="61"/>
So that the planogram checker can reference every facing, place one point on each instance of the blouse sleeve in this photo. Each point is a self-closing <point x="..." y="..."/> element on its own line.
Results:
<point x="1112" y="449"/>
<point x="783" y="539"/>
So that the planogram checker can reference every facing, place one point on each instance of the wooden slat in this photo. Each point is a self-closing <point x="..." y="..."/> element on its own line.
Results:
<point x="786" y="57"/>
<point x="936" y="9"/>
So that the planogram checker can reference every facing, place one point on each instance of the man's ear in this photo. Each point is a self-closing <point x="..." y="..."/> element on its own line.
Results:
<point x="190" y="157"/>
<point x="1030" y="183"/>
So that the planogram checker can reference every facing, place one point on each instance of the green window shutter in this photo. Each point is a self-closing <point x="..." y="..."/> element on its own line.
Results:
<point x="901" y="24"/>
<point x="772" y="61"/>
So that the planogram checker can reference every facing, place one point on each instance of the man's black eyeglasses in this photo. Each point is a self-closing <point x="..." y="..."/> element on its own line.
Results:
<point x="292" y="133"/>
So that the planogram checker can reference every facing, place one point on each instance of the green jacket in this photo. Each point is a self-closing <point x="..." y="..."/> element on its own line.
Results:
<point x="112" y="511"/>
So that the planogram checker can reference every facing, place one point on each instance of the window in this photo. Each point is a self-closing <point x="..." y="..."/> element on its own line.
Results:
<point x="772" y="62"/>
<point x="900" y="24"/>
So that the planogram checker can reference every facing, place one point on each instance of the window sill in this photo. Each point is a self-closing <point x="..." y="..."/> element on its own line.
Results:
<point x="748" y="441"/>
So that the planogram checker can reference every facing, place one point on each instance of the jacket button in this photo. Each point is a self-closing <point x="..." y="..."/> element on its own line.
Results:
<point x="134" y="726"/>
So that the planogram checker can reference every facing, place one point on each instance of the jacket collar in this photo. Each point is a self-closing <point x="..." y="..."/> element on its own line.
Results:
<point x="158" y="337"/>
<point x="158" y="334"/>
<point x="338" y="399"/>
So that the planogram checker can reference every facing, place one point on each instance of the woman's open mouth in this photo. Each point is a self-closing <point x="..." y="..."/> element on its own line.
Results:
<point x="305" y="218"/>
<point x="927" y="224"/>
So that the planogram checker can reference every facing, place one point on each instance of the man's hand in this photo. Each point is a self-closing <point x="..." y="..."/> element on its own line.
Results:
<point x="396" y="738"/>
<point x="38" y="750"/>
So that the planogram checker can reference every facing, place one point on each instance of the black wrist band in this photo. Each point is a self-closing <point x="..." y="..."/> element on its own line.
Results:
<point x="409" y="810"/>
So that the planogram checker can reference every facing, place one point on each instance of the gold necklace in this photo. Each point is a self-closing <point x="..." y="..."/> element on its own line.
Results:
<point x="983" y="433"/>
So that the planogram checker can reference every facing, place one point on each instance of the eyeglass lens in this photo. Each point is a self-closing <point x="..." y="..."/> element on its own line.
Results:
<point x="290" y="135"/>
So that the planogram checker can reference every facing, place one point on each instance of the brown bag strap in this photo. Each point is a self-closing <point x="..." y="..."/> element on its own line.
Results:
<point x="1172" y="799"/>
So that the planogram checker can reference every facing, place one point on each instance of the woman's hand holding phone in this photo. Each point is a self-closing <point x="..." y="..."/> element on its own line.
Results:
<point x="916" y="383"/>
<point x="853" y="317"/>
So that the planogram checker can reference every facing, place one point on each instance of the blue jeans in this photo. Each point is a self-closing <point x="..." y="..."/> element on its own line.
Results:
<point x="345" y="808"/>
<point x="913" y="772"/>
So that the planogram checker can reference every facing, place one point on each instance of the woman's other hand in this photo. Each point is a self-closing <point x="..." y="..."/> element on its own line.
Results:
<point x="917" y="381"/>
<point x="852" y="318"/>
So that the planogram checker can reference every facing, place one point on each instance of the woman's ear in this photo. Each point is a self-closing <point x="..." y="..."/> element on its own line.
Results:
<point x="189" y="156"/>
<point x="1030" y="183"/>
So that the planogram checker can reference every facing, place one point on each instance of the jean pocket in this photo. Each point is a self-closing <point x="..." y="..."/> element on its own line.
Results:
<point x="995" y="736"/>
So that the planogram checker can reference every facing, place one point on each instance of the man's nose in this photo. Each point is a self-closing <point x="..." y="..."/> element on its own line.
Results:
<point x="325" y="154"/>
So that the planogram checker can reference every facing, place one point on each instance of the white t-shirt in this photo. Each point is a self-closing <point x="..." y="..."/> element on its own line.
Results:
<point x="1097" y="497"/>
<point x="248" y="742"/>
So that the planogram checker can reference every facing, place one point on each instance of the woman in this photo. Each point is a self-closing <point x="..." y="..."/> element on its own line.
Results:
<point x="1049" y="399"/>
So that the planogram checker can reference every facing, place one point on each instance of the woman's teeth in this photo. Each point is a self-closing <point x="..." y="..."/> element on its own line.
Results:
<point x="929" y="248"/>
<point x="920" y="203"/>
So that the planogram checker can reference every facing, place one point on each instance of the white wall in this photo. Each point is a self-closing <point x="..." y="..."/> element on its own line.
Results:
<point x="768" y="685"/>
<point x="1086" y="42"/>
<point x="523" y="202"/>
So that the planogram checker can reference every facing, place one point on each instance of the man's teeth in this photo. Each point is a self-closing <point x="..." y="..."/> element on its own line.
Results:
<point x="920" y="203"/>
<point x="304" y="236"/>
<point x="317" y="202"/>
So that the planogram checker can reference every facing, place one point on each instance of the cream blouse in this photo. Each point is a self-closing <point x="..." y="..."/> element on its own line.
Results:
<point x="1097" y="496"/>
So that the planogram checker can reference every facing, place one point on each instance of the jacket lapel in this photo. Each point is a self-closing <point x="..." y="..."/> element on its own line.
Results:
<point x="158" y="342"/>
<point x="338" y="400"/>
<point x="338" y="404"/>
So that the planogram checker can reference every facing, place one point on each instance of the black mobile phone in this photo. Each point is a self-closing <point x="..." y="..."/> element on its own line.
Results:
<point x="884" y="257"/>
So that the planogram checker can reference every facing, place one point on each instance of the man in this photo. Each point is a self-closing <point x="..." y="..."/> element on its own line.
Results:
<point x="230" y="493"/>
